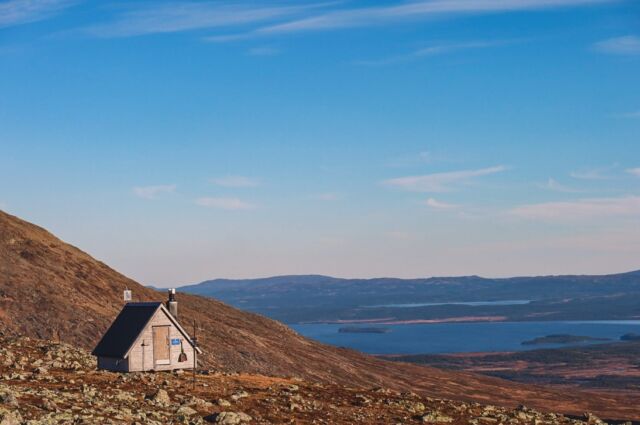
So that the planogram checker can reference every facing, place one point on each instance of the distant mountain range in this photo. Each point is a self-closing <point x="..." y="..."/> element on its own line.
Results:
<point x="317" y="298"/>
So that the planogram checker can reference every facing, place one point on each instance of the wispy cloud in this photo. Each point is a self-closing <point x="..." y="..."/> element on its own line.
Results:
<point x="157" y="18"/>
<point x="410" y="10"/>
<point x="555" y="186"/>
<point x="18" y="12"/>
<point x="627" y="45"/>
<point x="634" y="171"/>
<point x="434" y="50"/>
<point x="439" y="205"/>
<point x="263" y="51"/>
<point x="236" y="181"/>
<point x="327" y="196"/>
<point x="581" y="209"/>
<point x="152" y="192"/>
<point x="634" y="114"/>
<point x="229" y="204"/>
<point x="441" y="182"/>
<point x="592" y="173"/>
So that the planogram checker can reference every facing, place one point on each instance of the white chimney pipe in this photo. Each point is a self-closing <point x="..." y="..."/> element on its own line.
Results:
<point x="172" y="304"/>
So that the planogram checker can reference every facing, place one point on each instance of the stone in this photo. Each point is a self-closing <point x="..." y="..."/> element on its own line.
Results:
<point x="199" y="403"/>
<point x="238" y="395"/>
<point x="291" y="388"/>
<point x="590" y="418"/>
<point x="49" y="405"/>
<point x="124" y="396"/>
<point x="160" y="397"/>
<point x="9" y="398"/>
<point x="8" y="417"/>
<point x="184" y="412"/>
<point x="436" y="417"/>
<point x="232" y="418"/>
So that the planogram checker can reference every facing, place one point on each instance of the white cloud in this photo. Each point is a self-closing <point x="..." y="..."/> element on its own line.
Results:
<point x="634" y="171"/>
<point x="591" y="173"/>
<point x="18" y="12"/>
<point x="152" y="192"/>
<point x="229" y="204"/>
<point x="327" y="196"/>
<point x="452" y="47"/>
<point x="627" y="45"/>
<point x="235" y="181"/>
<point x="441" y="182"/>
<point x="413" y="10"/>
<point x="155" y="18"/>
<point x="555" y="186"/>
<point x="439" y="205"/>
<point x="581" y="209"/>
<point x="434" y="50"/>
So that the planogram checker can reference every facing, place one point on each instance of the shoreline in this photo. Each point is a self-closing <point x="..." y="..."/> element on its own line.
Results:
<point x="393" y="321"/>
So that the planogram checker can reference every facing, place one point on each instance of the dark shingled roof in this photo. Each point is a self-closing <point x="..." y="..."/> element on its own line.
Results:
<point x="125" y="329"/>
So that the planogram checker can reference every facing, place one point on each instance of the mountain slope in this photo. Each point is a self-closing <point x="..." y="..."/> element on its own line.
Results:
<point x="53" y="392"/>
<point x="48" y="287"/>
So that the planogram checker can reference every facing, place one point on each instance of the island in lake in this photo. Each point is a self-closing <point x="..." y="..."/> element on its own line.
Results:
<point x="360" y="330"/>
<point x="562" y="339"/>
<point x="630" y="337"/>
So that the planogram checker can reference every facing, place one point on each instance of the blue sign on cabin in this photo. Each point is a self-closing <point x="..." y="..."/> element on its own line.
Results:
<point x="175" y="341"/>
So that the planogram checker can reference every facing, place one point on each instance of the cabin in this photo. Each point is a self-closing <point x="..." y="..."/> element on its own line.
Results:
<point x="146" y="336"/>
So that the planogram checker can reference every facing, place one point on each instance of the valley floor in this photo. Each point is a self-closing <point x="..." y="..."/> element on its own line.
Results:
<point x="611" y="367"/>
<point x="43" y="382"/>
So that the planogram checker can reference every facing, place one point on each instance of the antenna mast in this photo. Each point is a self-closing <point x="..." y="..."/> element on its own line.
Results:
<point x="195" y="353"/>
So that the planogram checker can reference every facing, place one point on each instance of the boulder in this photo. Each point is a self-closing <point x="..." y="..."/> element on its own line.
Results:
<point x="160" y="397"/>
<point x="184" y="413"/>
<point x="436" y="417"/>
<point x="238" y="395"/>
<point x="230" y="418"/>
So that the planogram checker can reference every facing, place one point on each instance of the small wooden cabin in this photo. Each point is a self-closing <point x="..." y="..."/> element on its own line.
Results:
<point x="145" y="336"/>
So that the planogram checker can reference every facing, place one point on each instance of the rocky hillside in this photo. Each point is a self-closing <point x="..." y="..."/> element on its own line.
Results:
<point x="51" y="290"/>
<point x="49" y="383"/>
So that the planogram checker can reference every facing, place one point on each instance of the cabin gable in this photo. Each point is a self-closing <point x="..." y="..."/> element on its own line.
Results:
<point x="150" y="353"/>
<point x="145" y="336"/>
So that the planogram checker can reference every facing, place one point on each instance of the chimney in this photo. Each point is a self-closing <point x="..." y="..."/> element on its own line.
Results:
<point x="172" y="304"/>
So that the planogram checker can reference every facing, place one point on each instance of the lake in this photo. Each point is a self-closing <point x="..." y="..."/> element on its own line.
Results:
<point x="463" y="337"/>
<point x="468" y="303"/>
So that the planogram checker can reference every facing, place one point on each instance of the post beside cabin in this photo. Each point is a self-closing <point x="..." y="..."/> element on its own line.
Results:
<point x="146" y="336"/>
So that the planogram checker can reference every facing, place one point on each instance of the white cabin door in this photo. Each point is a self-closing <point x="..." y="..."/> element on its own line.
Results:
<point x="161" y="345"/>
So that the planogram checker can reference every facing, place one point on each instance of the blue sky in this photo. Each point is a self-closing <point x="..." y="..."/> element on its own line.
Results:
<point x="181" y="141"/>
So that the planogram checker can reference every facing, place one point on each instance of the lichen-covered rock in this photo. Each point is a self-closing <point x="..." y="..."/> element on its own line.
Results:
<point x="10" y="417"/>
<point x="436" y="417"/>
<point x="160" y="397"/>
<point x="232" y="418"/>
